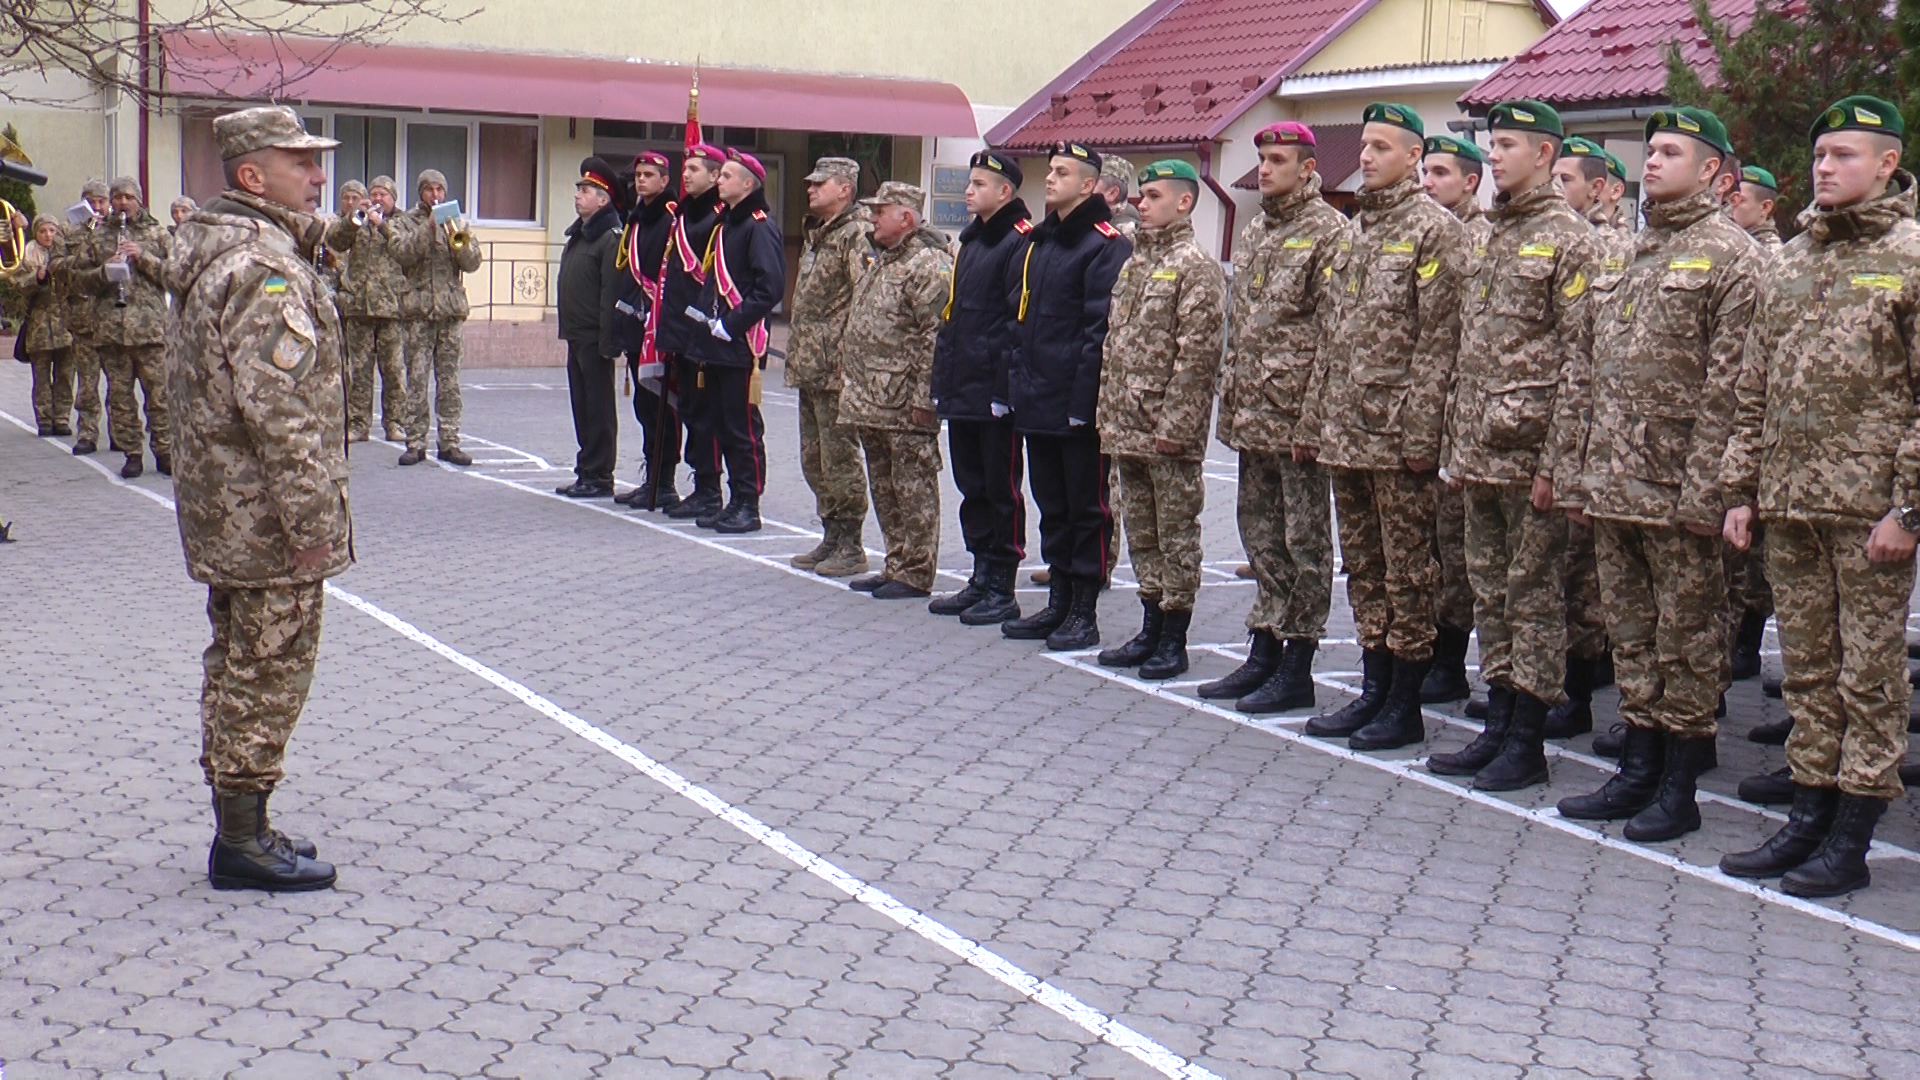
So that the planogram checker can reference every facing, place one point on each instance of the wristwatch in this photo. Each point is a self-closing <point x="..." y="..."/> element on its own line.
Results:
<point x="1908" y="518"/>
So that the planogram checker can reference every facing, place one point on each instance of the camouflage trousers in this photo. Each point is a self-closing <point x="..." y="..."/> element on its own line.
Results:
<point x="256" y="675"/>
<point x="1386" y="545"/>
<point x="145" y="366"/>
<point x="1665" y="592"/>
<point x="52" y="388"/>
<point x="1117" y="533"/>
<point x="1515" y="555"/>
<point x="1453" y="605"/>
<point x="433" y="359"/>
<point x="376" y="346"/>
<point x="830" y="458"/>
<point x="904" y="469"/>
<point x="1747" y="588"/>
<point x="86" y="388"/>
<point x="1843" y="643"/>
<point x="1580" y="580"/>
<point x="1286" y="527"/>
<point x="1160" y="503"/>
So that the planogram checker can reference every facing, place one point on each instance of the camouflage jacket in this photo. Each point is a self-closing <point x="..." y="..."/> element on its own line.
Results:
<point x="1479" y="228"/>
<point x="1828" y="425"/>
<point x="434" y="287"/>
<point x="69" y="261"/>
<point x="1525" y="325"/>
<point x="1278" y="283"/>
<point x="1667" y="340"/>
<point x="258" y="396"/>
<point x="144" y="320"/>
<point x="832" y="261"/>
<point x="372" y="285"/>
<point x="1162" y="353"/>
<point x="1126" y="218"/>
<point x="887" y="353"/>
<point x="1379" y="396"/>
<point x="1616" y="236"/>
<point x="1767" y="235"/>
<point x="44" y="327"/>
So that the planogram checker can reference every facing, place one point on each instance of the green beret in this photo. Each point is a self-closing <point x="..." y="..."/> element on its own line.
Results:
<point x="1460" y="148"/>
<point x="1861" y="112"/>
<point x="1169" y="169"/>
<point x="1695" y="123"/>
<point x="1614" y="165"/>
<point x="1581" y="146"/>
<point x="1759" y="177"/>
<point x="1535" y="116"/>
<point x="1400" y="116"/>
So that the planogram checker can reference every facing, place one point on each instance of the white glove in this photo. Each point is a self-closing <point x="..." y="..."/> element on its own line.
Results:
<point x="1074" y="421"/>
<point x="999" y="410"/>
<point x="719" y="330"/>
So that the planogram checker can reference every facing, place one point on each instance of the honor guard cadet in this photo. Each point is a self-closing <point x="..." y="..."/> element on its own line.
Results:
<point x="1060" y="297"/>
<point x="371" y="288"/>
<point x="1667" y="343"/>
<point x="970" y="391"/>
<point x="746" y="265"/>
<point x="1510" y="441"/>
<point x="835" y="254"/>
<point x="643" y="249"/>
<point x="43" y="336"/>
<point x="69" y="260"/>
<point x="1116" y="186"/>
<point x="1379" y="403"/>
<point x="1162" y="356"/>
<point x="1825" y="452"/>
<point x="125" y="264"/>
<point x="1285" y="507"/>
<point x="683" y="276"/>
<point x="887" y="403"/>
<point x="435" y="257"/>
<point x="254" y="372"/>
<point x="588" y="284"/>
<point x="1452" y="171"/>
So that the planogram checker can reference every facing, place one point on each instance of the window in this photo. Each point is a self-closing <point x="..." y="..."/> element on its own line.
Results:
<point x="509" y="172"/>
<point x="442" y="147"/>
<point x="368" y="148"/>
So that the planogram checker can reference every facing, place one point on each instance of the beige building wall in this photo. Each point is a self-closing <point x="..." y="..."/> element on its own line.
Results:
<point x="1431" y="31"/>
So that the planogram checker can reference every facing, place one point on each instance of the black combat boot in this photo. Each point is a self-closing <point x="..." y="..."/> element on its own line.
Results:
<point x="1376" y="674"/>
<point x="1746" y="646"/>
<point x="1048" y="619"/>
<point x="1291" y="684"/>
<point x="997" y="603"/>
<point x="1643" y="757"/>
<point x="1399" y="723"/>
<point x="163" y="464"/>
<point x="1768" y="789"/>
<point x="1522" y="762"/>
<point x="1081" y="630"/>
<point x="1447" y="681"/>
<point x="704" y="500"/>
<point x="1476" y="707"/>
<point x="1573" y="716"/>
<point x="1263" y="659"/>
<point x="1807" y="825"/>
<point x="246" y="855"/>
<point x="134" y="467"/>
<point x="299" y="846"/>
<point x="1839" y="865"/>
<point x="1170" y="654"/>
<point x="83" y="447"/>
<point x="1608" y="743"/>
<point x="1479" y="753"/>
<point x="1136" y="650"/>
<point x="899" y="590"/>
<point x="740" y="516"/>
<point x="1774" y="734"/>
<point x="969" y="595"/>
<point x="1673" y="812"/>
<point x="413" y="456"/>
<point x="1770" y="685"/>
<point x="867" y="583"/>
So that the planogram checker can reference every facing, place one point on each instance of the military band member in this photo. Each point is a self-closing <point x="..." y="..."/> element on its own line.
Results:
<point x="683" y="277"/>
<point x="180" y="211"/>
<point x="643" y="251"/>
<point x="70" y="259"/>
<point x="124" y="271"/>
<point x="436" y="257"/>
<point x="371" y="287"/>
<point x="43" y="335"/>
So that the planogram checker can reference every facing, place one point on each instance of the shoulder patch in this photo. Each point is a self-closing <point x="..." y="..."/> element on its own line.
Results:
<point x="291" y="347"/>
<point x="275" y="285"/>
<point x="1106" y="230"/>
<point x="1427" y="269"/>
<point x="1577" y="287"/>
<point x="759" y="215"/>
<point x="1023" y="226"/>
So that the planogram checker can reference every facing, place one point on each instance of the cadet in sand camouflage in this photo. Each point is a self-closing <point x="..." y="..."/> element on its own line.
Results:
<point x="836" y="253"/>
<point x="68" y="260"/>
<point x="435" y="307"/>
<point x="131" y="337"/>
<point x="887" y="397"/>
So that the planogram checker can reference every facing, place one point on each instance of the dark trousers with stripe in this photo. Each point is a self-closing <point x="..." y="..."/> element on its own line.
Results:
<point x="703" y="443"/>
<point x="1068" y="477"/>
<point x="718" y="410"/>
<point x="660" y="428"/>
<point x="987" y="462"/>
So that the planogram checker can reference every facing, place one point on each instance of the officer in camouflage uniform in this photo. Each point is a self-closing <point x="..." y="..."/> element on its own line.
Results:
<point x="1284" y="511"/>
<point x="1379" y="404"/>
<point x="887" y="400"/>
<point x="1451" y="172"/>
<point x="254" y="369"/>
<point x="371" y="287"/>
<point x="130" y="323"/>
<point x="1157" y="372"/>
<point x="1511" y="441"/>
<point x="1667" y="345"/>
<point x="435" y="307"/>
<point x="1826" y="447"/>
<point x="71" y="258"/>
<point x="1116" y="186"/>
<point x="836" y="253"/>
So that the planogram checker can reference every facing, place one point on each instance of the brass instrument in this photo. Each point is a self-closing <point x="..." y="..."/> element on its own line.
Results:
<point x="359" y="217"/>
<point x="458" y="238"/>
<point x="123" y="289"/>
<point x="13" y="245"/>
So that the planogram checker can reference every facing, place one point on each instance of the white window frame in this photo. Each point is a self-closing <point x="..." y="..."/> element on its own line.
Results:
<point x="472" y="122"/>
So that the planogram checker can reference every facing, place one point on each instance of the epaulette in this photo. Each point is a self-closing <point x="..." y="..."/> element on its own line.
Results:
<point x="1023" y="226"/>
<point x="759" y="215"/>
<point x="1107" y="230"/>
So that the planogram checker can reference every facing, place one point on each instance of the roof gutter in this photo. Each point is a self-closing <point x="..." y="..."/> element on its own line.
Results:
<point x="1204" y="151"/>
<point x="1573" y="117"/>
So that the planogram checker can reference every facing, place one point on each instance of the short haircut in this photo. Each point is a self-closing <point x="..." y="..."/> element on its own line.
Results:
<point x="1729" y="163"/>
<point x="1535" y="138"/>
<point x="1302" y="152"/>
<point x="1088" y="170"/>
<point x="231" y="166"/>
<point x="707" y="163"/>
<point x="1591" y="168"/>
<point x="1181" y="184"/>
<point x="1108" y="183"/>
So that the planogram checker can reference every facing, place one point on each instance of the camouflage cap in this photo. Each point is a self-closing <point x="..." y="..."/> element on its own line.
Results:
<point x="264" y="127"/>
<point x="430" y="176"/>
<point x="834" y="168"/>
<point x="93" y="189"/>
<point x="898" y="193"/>
<point x="384" y="183"/>
<point x="353" y="187"/>
<point x="1535" y="116"/>
<point x="127" y="185"/>
<point x="1400" y="116"/>
<point x="1693" y="122"/>
<point x="1861" y="112"/>
<point x="1759" y="177"/>
<point x="1119" y="170"/>
<point x="1460" y="148"/>
<point x="185" y="203"/>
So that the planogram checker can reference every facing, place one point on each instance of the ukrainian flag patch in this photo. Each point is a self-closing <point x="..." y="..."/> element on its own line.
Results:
<point x="275" y="285"/>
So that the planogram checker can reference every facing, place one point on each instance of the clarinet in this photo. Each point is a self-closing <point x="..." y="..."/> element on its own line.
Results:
<point x="122" y="290"/>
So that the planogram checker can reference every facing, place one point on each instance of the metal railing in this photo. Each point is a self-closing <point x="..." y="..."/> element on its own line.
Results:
<point x="516" y="280"/>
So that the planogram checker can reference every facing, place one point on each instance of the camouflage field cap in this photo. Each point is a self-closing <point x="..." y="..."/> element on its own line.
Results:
<point x="898" y="193"/>
<point x="1535" y="116"/>
<point x="1118" y="169"/>
<point x="384" y="183"/>
<point x="1759" y="177"/>
<point x="1400" y="116"/>
<point x="1170" y="169"/>
<point x="1460" y="148"/>
<point x="835" y="168"/>
<point x="430" y="176"/>
<point x="1693" y="122"/>
<point x="1861" y="112"/>
<point x="264" y="127"/>
<point x="93" y="189"/>
<point x="353" y="187"/>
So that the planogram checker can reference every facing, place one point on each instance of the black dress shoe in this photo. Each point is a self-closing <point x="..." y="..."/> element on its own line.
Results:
<point x="84" y="447"/>
<point x="1774" y="734"/>
<point x="133" y="468"/>
<point x="583" y="489"/>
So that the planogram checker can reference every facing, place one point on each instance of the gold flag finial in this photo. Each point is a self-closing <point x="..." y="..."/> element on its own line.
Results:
<point x="693" y="95"/>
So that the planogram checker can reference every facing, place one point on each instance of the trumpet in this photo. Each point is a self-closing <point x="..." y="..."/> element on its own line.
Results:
<point x="359" y="217"/>
<point x="13" y="245"/>
<point x="458" y="238"/>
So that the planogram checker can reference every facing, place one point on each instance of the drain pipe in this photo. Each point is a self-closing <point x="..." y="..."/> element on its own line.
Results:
<point x="1204" y="151"/>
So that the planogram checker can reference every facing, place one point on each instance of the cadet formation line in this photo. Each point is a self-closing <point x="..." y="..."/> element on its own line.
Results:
<point x="1539" y="426"/>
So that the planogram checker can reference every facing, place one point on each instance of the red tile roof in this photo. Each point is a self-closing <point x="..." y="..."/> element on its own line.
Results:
<point x="1336" y="154"/>
<point x="1177" y="73"/>
<point x="1611" y="53"/>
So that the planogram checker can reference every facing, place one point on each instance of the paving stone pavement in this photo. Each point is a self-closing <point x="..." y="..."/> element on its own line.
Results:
<point x="516" y="900"/>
